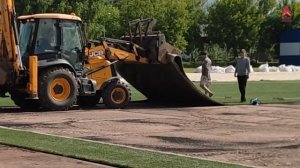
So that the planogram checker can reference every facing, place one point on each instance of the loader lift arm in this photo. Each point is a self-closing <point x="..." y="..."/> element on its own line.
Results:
<point x="115" y="49"/>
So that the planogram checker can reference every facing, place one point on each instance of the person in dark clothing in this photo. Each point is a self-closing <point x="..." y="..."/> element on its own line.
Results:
<point x="242" y="70"/>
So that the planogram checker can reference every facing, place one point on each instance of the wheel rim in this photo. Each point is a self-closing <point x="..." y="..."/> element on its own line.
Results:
<point x="118" y="95"/>
<point x="60" y="89"/>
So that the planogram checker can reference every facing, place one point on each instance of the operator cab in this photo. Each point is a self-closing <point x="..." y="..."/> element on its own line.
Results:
<point x="52" y="37"/>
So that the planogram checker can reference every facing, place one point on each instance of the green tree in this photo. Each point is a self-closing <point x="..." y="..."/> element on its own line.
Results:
<point x="269" y="32"/>
<point x="235" y="24"/>
<point x="198" y="21"/>
<point x="172" y="17"/>
<point x="175" y="22"/>
<point x="137" y="9"/>
<point x="101" y="16"/>
<point x="295" y="8"/>
<point x="268" y="47"/>
<point x="32" y="6"/>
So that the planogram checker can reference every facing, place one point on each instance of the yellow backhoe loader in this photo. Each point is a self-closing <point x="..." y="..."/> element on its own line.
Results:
<point x="50" y="64"/>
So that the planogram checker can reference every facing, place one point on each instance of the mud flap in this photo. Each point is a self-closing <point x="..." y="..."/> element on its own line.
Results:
<point x="164" y="83"/>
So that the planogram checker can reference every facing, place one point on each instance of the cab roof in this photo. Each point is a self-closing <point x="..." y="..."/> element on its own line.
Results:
<point x="50" y="16"/>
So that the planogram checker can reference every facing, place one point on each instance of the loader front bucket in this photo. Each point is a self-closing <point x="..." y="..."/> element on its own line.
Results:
<point x="162" y="79"/>
<point x="164" y="83"/>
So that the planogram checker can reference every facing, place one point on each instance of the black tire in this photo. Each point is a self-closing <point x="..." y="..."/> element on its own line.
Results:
<point x="58" y="89"/>
<point x="116" y="95"/>
<point x="89" y="101"/>
<point x="20" y="99"/>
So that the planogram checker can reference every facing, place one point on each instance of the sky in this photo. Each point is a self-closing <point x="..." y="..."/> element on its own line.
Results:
<point x="210" y="1"/>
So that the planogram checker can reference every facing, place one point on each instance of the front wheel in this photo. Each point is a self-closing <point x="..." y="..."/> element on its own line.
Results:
<point x="116" y="95"/>
<point x="57" y="89"/>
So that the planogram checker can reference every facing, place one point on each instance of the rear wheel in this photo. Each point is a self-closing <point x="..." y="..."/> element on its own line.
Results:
<point x="57" y="89"/>
<point x="20" y="99"/>
<point x="116" y="95"/>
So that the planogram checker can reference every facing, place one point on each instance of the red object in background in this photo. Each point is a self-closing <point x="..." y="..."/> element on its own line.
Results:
<point x="286" y="15"/>
<point x="286" y="11"/>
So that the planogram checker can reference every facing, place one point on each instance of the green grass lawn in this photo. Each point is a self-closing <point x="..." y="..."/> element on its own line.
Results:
<point x="102" y="153"/>
<point x="228" y="93"/>
<point x="190" y="70"/>
<point x="265" y="91"/>
<point x="6" y="102"/>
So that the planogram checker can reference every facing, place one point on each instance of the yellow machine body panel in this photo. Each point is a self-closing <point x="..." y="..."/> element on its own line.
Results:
<point x="102" y="75"/>
<point x="112" y="53"/>
<point x="102" y="56"/>
<point x="32" y="86"/>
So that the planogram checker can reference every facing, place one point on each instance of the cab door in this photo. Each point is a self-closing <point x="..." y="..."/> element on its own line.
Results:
<point x="72" y="44"/>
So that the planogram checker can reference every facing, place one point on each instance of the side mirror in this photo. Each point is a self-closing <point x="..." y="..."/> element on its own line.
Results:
<point x="89" y="45"/>
<point x="85" y="59"/>
<point x="81" y="53"/>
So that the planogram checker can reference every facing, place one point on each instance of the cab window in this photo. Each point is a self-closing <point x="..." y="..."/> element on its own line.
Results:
<point x="46" y="40"/>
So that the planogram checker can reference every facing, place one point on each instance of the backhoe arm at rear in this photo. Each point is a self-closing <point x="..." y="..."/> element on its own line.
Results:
<point x="10" y="63"/>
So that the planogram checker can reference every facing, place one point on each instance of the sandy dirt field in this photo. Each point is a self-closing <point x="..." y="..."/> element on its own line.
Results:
<point x="262" y="136"/>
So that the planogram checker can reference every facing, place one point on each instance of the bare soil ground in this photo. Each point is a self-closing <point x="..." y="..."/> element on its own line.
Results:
<point x="262" y="136"/>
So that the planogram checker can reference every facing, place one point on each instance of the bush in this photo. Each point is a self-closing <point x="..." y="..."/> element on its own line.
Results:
<point x="190" y="64"/>
<point x="220" y="56"/>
